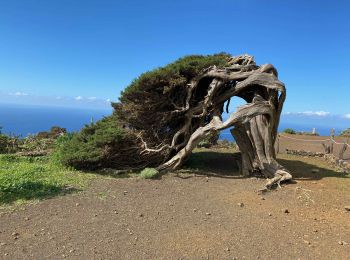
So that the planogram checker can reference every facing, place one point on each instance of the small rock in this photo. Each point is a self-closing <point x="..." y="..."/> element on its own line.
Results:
<point x="347" y="208"/>
<point x="95" y="215"/>
<point x="2" y="244"/>
<point x="140" y="215"/>
<point x="270" y="214"/>
<point x="125" y="192"/>
<point x="307" y="242"/>
<point x="77" y="204"/>
<point x="6" y="254"/>
<point x="195" y="210"/>
<point x="71" y="251"/>
<point x="262" y="198"/>
<point x="208" y="213"/>
<point x="227" y="249"/>
<point x="15" y="234"/>
<point x="26" y="218"/>
<point x="206" y="179"/>
<point x="240" y="204"/>
<point x="315" y="230"/>
<point x="342" y="243"/>
<point x="115" y="212"/>
<point x="286" y="211"/>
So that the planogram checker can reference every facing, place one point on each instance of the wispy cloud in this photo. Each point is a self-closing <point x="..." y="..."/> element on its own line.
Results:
<point x="20" y="97"/>
<point x="347" y="116"/>
<point x="314" y="113"/>
<point x="19" y="93"/>
<point x="309" y="113"/>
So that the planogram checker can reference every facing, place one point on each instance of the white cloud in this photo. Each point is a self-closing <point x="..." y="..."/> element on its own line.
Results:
<point x="78" y="98"/>
<point x="92" y="98"/>
<point x="347" y="116"/>
<point x="108" y="100"/>
<point x="18" y="94"/>
<point x="314" y="113"/>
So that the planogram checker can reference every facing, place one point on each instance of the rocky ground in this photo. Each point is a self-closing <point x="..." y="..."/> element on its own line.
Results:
<point x="204" y="213"/>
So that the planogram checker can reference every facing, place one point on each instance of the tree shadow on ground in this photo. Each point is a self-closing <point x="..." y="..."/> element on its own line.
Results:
<point x="32" y="190"/>
<point x="225" y="165"/>
<point x="307" y="171"/>
<point x="214" y="164"/>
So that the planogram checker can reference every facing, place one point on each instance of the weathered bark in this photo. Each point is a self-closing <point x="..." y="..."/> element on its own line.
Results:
<point x="254" y="125"/>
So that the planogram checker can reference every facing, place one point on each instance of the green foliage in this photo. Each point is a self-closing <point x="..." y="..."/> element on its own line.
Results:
<point x="174" y="74"/>
<point x="345" y="133"/>
<point x="9" y="144"/>
<point x="144" y="115"/>
<point x="148" y="173"/>
<point x="289" y="131"/>
<point x="226" y="144"/>
<point x="33" y="144"/>
<point x="210" y="140"/>
<point x="26" y="178"/>
<point x="95" y="146"/>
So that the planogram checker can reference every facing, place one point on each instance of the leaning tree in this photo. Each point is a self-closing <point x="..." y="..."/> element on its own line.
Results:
<point x="163" y="114"/>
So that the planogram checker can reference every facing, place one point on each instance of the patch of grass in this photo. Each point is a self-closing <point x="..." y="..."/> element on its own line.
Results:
<point x="30" y="178"/>
<point x="149" y="173"/>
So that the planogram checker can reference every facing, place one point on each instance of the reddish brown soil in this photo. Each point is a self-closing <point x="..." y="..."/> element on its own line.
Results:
<point x="188" y="216"/>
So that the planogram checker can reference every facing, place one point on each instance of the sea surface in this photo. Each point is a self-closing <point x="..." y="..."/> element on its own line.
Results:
<point x="27" y="119"/>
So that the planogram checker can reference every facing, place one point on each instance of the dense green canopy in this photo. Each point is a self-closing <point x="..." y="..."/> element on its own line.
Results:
<point x="149" y="112"/>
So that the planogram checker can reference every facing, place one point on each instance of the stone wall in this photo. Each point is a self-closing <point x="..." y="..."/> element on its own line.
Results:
<point x="330" y="158"/>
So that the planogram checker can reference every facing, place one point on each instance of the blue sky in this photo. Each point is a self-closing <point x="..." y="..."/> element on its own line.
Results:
<point x="83" y="53"/>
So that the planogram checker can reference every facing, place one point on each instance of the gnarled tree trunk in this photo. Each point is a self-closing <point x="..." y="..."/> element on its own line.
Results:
<point x="254" y="125"/>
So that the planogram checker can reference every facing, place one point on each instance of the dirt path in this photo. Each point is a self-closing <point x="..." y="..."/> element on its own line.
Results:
<point x="187" y="217"/>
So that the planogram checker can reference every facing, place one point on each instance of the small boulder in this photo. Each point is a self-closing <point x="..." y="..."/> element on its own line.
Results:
<point x="286" y="211"/>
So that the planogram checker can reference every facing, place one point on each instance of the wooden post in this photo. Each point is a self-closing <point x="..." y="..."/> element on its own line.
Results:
<point x="332" y="141"/>
<point x="342" y="151"/>
<point x="278" y="144"/>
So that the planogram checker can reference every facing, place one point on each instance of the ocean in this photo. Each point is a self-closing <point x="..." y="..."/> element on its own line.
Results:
<point x="27" y="119"/>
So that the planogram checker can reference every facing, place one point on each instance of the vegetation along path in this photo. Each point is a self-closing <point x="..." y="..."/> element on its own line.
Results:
<point x="206" y="211"/>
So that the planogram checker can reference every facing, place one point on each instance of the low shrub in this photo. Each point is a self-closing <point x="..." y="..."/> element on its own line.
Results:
<point x="289" y="131"/>
<point x="345" y="133"/>
<point x="102" y="145"/>
<point x="148" y="173"/>
<point x="210" y="140"/>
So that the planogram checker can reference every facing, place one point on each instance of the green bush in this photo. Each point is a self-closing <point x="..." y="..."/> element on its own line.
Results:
<point x="101" y="145"/>
<point x="289" y="131"/>
<point x="144" y="115"/>
<point x="345" y="133"/>
<point x="9" y="144"/>
<point x="148" y="173"/>
<point x="210" y="140"/>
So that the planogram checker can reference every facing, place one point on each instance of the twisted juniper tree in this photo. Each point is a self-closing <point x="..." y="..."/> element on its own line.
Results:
<point x="165" y="113"/>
